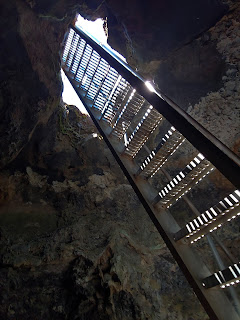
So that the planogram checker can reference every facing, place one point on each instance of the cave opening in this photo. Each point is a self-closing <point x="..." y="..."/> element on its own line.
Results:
<point x="98" y="31"/>
<point x="95" y="29"/>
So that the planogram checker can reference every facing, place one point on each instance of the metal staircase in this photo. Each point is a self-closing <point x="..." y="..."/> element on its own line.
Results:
<point x="130" y="118"/>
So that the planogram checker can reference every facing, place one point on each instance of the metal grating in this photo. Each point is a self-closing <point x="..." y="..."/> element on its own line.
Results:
<point x="213" y="218"/>
<point x="146" y="126"/>
<point x="224" y="278"/>
<point x="130" y="109"/>
<point x="171" y="141"/>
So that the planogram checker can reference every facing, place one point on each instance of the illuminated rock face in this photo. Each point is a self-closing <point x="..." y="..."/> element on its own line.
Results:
<point x="75" y="242"/>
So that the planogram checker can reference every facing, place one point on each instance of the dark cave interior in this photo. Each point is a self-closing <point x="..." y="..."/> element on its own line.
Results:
<point x="75" y="241"/>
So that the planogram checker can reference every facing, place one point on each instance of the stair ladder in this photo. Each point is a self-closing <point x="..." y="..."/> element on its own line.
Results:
<point x="128" y="111"/>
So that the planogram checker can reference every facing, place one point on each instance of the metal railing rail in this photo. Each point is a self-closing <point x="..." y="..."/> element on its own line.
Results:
<point x="226" y="161"/>
<point x="113" y="94"/>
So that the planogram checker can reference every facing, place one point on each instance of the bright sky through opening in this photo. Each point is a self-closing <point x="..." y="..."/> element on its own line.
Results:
<point x="95" y="29"/>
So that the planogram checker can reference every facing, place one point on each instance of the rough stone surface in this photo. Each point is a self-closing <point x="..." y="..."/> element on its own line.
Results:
<point x="219" y="110"/>
<point x="74" y="241"/>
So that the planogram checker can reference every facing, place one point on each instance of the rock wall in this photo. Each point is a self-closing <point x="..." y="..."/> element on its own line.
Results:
<point x="191" y="57"/>
<point x="75" y="242"/>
